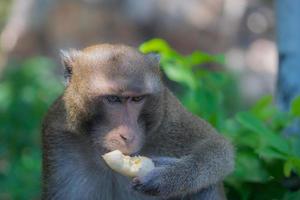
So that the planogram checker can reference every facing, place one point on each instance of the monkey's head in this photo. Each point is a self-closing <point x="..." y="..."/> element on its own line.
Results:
<point x="113" y="95"/>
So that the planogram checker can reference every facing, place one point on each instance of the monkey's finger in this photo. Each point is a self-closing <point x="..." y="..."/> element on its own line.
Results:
<point x="135" y="181"/>
<point x="151" y="191"/>
<point x="136" y="185"/>
<point x="148" y="189"/>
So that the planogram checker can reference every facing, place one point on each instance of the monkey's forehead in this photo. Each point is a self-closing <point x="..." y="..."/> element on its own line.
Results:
<point x="109" y="48"/>
<point x="116" y="69"/>
<point x="124" y="86"/>
<point x="112" y="59"/>
<point x="112" y="53"/>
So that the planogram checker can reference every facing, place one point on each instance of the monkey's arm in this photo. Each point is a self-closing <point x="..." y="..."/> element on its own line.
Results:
<point x="207" y="165"/>
<point x="205" y="158"/>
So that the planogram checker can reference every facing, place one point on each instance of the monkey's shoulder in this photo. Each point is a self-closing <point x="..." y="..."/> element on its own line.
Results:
<point x="55" y="116"/>
<point x="179" y="120"/>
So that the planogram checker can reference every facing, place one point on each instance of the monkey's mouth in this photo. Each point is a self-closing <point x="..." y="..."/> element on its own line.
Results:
<point x="128" y="151"/>
<point x="125" y="152"/>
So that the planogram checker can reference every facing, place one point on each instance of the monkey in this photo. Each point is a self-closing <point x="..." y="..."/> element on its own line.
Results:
<point x="115" y="99"/>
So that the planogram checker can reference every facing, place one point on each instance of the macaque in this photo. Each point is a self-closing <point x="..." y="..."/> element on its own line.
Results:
<point x="115" y="100"/>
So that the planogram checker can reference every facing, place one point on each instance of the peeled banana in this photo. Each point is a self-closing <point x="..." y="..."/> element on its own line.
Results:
<point x="128" y="166"/>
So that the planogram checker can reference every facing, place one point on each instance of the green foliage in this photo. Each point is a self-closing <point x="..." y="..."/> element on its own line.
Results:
<point x="263" y="155"/>
<point x="26" y="91"/>
<point x="207" y="93"/>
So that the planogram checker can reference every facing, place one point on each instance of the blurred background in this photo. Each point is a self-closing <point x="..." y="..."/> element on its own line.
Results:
<point x="241" y="30"/>
<point x="236" y="57"/>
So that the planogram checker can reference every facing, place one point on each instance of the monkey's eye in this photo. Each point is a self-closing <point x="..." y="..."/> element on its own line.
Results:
<point x="113" y="99"/>
<point x="137" y="99"/>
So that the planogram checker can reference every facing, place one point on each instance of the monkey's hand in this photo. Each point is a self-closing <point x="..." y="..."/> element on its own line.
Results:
<point x="162" y="181"/>
<point x="153" y="183"/>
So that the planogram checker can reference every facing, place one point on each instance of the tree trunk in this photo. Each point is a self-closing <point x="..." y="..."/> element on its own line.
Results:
<point x="288" y="36"/>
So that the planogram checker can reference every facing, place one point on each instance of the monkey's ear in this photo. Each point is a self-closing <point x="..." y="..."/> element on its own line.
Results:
<point x="154" y="57"/>
<point x="68" y="58"/>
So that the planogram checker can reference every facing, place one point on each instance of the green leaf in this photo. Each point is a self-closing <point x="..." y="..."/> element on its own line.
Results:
<point x="287" y="168"/>
<point x="180" y="75"/>
<point x="268" y="153"/>
<point x="263" y="103"/>
<point x="293" y="163"/>
<point x="295" y="145"/>
<point x="291" y="196"/>
<point x="215" y="80"/>
<point x="267" y="137"/>
<point x="249" y="168"/>
<point x="263" y="109"/>
<point x="295" y="107"/>
<point x="198" y="58"/>
<point x="5" y="96"/>
<point x="248" y="120"/>
<point x="155" y="45"/>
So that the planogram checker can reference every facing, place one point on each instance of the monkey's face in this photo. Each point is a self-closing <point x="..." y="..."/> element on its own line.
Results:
<point x="120" y="121"/>
<point x="112" y="96"/>
<point x="126" y="132"/>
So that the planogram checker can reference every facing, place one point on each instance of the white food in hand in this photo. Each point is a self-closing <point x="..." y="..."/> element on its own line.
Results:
<point x="128" y="166"/>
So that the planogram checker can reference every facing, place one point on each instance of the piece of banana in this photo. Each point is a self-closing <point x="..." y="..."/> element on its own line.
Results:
<point x="128" y="166"/>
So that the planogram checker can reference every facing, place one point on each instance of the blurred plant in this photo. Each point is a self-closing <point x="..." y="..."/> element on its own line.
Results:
<point x="26" y="91"/>
<point x="206" y="93"/>
<point x="264" y="157"/>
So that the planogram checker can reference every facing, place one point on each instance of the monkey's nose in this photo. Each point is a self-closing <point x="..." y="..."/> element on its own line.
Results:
<point x="127" y="138"/>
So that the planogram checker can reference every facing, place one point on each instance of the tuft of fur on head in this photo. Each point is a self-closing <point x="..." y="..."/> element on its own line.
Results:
<point x="68" y="58"/>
